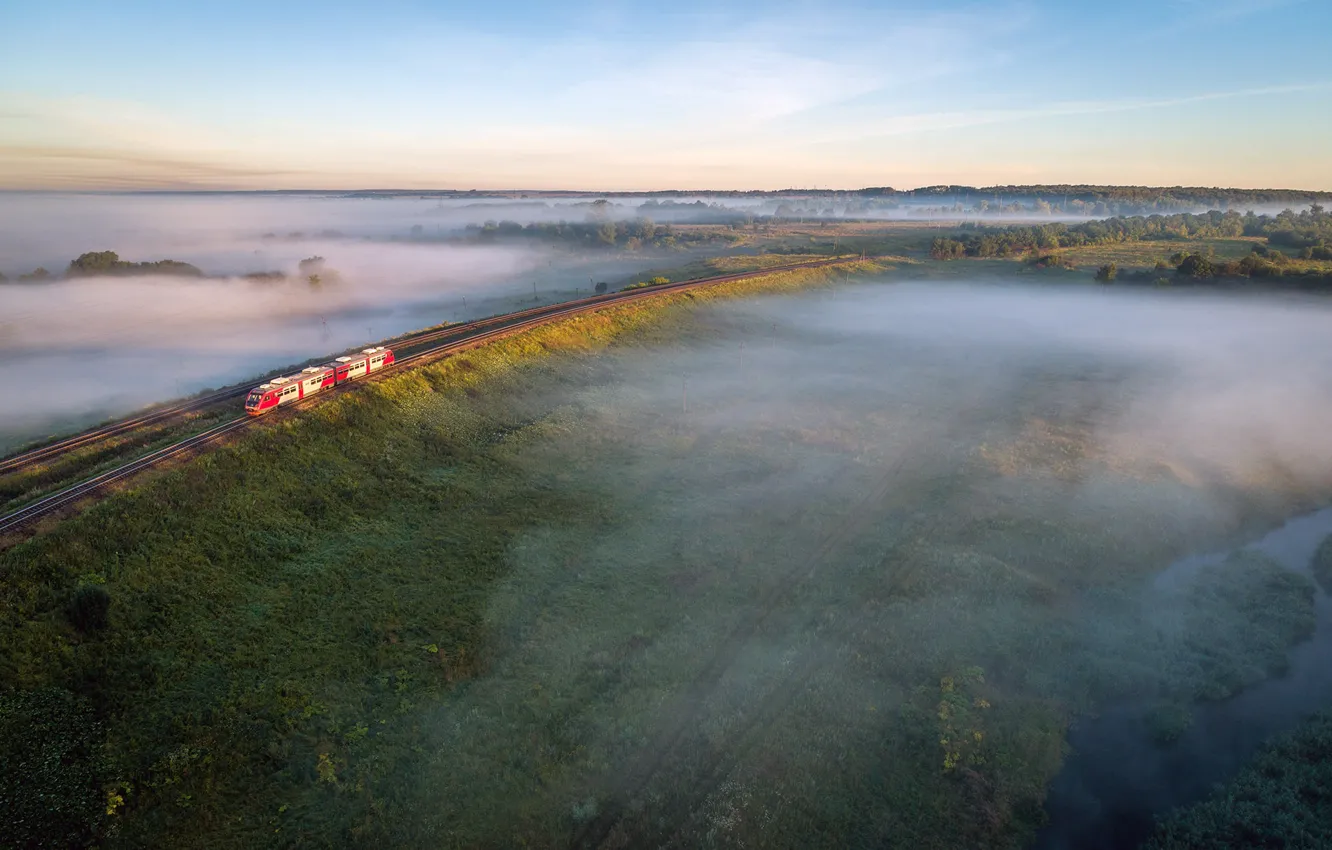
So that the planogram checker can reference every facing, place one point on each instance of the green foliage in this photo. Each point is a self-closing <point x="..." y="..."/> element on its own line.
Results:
<point x="601" y="287"/>
<point x="1322" y="564"/>
<point x="52" y="770"/>
<point x="96" y="263"/>
<point x="1048" y="261"/>
<point x="1281" y="799"/>
<point x="1274" y="605"/>
<point x="38" y="273"/>
<point x="1107" y="273"/>
<point x="89" y="608"/>
<point x="600" y="233"/>
<point x="944" y="248"/>
<point x="960" y="708"/>
<point x="1196" y="265"/>
<point x="1309" y="231"/>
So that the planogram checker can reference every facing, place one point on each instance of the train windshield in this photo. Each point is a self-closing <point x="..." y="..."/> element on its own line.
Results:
<point x="254" y="399"/>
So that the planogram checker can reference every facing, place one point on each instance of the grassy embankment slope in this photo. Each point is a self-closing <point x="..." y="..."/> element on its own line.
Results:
<point x="516" y="598"/>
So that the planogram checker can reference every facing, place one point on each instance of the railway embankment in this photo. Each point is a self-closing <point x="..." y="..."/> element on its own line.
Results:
<point x="46" y="476"/>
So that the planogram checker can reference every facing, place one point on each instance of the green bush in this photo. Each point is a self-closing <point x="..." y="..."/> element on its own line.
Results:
<point x="89" y="608"/>
<point x="1322" y="564"/>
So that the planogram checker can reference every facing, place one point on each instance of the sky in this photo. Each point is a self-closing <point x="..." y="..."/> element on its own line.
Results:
<point x="609" y="95"/>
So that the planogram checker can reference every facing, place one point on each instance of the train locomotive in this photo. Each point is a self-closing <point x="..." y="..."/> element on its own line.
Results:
<point x="312" y="379"/>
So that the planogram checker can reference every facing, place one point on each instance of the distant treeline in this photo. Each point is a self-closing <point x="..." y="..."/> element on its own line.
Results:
<point x="1309" y="232"/>
<point x="1192" y="195"/>
<point x="1261" y="262"/>
<point x="959" y="201"/>
<point x="629" y="235"/>
<point x="109" y="263"/>
<point x="1307" y="235"/>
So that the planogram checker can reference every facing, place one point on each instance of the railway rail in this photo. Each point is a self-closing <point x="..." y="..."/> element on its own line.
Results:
<point x="440" y="342"/>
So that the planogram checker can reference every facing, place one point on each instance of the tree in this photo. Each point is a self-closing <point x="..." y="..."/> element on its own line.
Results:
<point x="947" y="249"/>
<point x="1196" y="265"/>
<point x="1107" y="273"/>
<point x="602" y="286"/>
<point x="38" y="273"/>
<point x="89" y="608"/>
<point x="95" y="262"/>
<point x="109" y="263"/>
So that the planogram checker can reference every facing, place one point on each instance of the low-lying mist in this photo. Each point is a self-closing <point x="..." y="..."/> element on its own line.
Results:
<point x="85" y="348"/>
<point x="234" y="234"/>
<point x="861" y="556"/>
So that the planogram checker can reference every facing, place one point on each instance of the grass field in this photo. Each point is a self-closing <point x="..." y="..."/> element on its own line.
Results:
<point x="1148" y="253"/>
<point x="683" y="574"/>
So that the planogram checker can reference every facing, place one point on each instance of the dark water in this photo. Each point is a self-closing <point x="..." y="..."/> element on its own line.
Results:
<point x="1118" y="780"/>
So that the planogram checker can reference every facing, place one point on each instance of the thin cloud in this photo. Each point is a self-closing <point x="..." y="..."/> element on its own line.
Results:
<point x="953" y="120"/>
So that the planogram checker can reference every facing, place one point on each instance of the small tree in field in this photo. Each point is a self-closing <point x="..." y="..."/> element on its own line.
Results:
<point x="1107" y="273"/>
<point x="89" y="608"/>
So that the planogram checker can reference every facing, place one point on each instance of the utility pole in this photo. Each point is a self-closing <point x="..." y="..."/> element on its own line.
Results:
<point x="534" y="295"/>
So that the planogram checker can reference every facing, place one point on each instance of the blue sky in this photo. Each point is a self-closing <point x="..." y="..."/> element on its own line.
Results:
<point x="610" y="95"/>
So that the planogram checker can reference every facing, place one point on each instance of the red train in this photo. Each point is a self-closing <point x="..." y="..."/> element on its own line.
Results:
<point x="278" y="391"/>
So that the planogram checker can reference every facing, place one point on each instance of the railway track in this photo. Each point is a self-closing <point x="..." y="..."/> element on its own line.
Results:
<point x="16" y="462"/>
<point x="440" y="342"/>
<point x="71" y="495"/>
